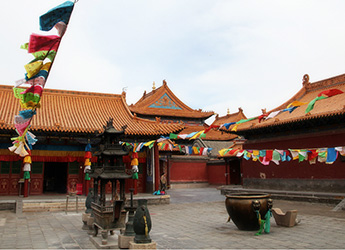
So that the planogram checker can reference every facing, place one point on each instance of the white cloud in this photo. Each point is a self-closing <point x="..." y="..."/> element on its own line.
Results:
<point x="214" y="54"/>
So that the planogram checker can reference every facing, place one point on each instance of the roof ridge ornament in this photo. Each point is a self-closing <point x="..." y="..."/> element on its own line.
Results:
<point x="154" y="86"/>
<point x="306" y="80"/>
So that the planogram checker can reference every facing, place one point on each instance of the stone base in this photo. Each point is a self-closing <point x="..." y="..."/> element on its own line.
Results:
<point x="85" y="218"/>
<point x="124" y="241"/>
<point x="151" y="245"/>
<point x="112" y="242"/>
<point x="89" y="224"/>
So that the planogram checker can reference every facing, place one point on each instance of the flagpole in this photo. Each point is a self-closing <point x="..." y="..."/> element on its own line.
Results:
<point x="27" y="173"/>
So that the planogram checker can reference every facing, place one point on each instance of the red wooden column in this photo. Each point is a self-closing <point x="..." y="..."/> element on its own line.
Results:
<point x="26" y="187"/>
<point x="156" y="166"/>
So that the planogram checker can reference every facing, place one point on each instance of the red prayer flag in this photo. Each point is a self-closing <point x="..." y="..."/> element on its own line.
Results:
<point x="312" y="154"/>
<point x="330" y="92"/>
<point x="269" y="155"/>
<point x="263" y="116"/>
<point x="211" y="127"/>
<point x="35" y="89"/>
<point x="40" y="42"/>
<point x="233" y="152"/>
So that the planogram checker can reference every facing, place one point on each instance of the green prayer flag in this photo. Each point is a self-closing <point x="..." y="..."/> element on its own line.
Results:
<point x="87" y="177"/>
<point x="311" y="104"/>
<point x="172" y="136"/>
<point x="41" y="55"/>
<point x="302" y="155"/>
<point x="322" y="154"/>
<point x="31" y="97"/>
<point x="17" y="92"/>
<point x="246" y="120"/>
<point x="276" y="155"/>
<point x="26" y="175"/>
<point x="203" y="135"/>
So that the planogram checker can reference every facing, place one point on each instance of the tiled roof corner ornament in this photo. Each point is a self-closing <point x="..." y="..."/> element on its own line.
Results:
<point x="306" y="82"/>
<point x="124" y="127"/>
<point x="240" y="109"/>
<point x="158" y="119"/>
<point x="217" y="116"/>
<point x="263" y="111"/>
<point x="109" y="123"/>
<point x="164" y="82"/>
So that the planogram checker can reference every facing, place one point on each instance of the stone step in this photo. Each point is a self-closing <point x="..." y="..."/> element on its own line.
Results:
<point x="46" y="205"/>
<point x="340" y="206"/>
<point x="53" y="206"/>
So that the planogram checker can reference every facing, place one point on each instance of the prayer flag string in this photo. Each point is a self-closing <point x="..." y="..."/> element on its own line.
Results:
<point x="265" y="156"/>
<point x="44" y="49"/>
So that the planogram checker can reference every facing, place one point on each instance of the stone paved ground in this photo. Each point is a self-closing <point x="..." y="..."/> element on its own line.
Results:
<point x="188" y="222"/>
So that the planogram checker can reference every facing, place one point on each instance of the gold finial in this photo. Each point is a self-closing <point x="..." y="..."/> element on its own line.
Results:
<point x="228" y="111"/>
<point x="154" y="86"/>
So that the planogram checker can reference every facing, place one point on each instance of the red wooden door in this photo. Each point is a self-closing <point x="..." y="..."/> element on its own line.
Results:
<point x="5" y="170"/>
<point x="37" y="174"/>
<point x="73" y="176"/>
<point x="235" y="172"/>
<point x="15" y="177"/>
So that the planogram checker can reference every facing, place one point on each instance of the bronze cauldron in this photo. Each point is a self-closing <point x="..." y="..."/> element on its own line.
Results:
<point x="241" y="211"/>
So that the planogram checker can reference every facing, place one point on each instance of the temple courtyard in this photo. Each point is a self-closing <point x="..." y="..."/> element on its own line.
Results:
<point x="194" y="219"/>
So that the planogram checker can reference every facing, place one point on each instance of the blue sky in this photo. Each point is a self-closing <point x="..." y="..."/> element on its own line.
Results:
<point x="214" y="54"/>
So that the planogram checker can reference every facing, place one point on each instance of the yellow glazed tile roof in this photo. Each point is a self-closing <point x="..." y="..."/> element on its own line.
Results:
<point x="163" y="102"/>
<point x="331" y="106"/>
<point x="80" y="112"/>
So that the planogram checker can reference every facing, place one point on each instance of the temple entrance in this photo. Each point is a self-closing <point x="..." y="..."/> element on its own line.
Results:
<point x="55" y="177"/>
<point x="235" y="172"/>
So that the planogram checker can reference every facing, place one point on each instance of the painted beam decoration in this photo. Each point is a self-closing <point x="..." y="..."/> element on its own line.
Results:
<point x="44" y="49"/>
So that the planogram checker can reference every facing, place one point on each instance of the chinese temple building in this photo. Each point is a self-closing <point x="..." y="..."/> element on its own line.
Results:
<point x="162" y="103"/>
<point x="221" y="171"/>
<point x="299" y="145"/>
<point x="196" y="167"/>
<point x="65" y="123"/>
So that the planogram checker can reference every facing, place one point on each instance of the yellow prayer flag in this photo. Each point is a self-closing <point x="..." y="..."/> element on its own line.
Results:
<point x="149" y="143"/>
<point x="33" y="68"/>
<point x="296" y="104"/>
<point x="234" y="128"/>
<point x="27" y="159"/>
<point x="197" y="135"/>
<point x="46" y="66"/>
<point x="222" y="151"/>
